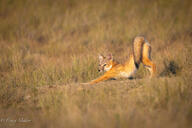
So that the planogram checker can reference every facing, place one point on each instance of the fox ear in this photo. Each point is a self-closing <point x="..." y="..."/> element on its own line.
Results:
<point x="110" y="56"/>
<point x="101" y="57"/>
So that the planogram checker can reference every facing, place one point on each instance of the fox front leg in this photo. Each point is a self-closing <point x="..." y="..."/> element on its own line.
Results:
<point x="102" y="78"/>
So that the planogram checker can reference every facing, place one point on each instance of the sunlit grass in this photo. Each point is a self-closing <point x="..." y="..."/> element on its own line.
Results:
<point x="47" y="48"/>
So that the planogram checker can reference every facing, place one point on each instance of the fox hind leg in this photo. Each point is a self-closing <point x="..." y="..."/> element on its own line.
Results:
<point x="146" y="60"/>
<point x="150" y="66"/>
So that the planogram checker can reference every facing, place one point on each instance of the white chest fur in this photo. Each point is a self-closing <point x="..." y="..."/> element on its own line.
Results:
<point x="108" y="68"/>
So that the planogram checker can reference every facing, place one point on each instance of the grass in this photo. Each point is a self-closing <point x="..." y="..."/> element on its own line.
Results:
<point x="47" y="48"/>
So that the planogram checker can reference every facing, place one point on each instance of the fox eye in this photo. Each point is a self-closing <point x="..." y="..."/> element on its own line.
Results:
<point x="104" y="64"/>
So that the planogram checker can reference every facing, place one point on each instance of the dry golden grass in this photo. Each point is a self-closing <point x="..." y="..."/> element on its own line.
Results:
<point x="47" y="48"/>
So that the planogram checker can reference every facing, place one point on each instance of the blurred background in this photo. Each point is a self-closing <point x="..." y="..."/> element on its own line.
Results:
<point x="57" y="42"/>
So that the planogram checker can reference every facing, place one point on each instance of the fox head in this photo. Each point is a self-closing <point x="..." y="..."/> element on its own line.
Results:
<point x="105" y="62"/>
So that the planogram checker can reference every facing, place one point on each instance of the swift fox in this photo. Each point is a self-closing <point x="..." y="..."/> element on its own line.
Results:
<point x="141" y="54"/>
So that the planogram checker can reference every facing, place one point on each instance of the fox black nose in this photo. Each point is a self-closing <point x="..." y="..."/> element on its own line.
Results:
<point x="99" y="70"/>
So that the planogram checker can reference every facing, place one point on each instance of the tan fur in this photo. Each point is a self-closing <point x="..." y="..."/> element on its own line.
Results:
<point x="141" y="54"/>
<point x="137" y="49"/>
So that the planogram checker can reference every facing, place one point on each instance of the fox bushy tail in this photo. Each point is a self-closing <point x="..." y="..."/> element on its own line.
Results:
<point x="138" y="50"/>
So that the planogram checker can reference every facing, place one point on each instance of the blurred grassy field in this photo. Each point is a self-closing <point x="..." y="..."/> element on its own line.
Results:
<point x="48" y="47"/>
